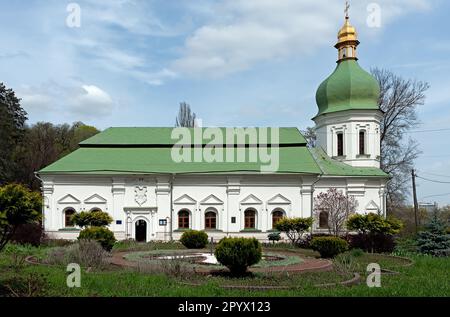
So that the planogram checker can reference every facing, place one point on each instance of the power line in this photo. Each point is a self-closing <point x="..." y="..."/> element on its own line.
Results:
<point x="428" y="173"/>
<point x="438" y="195"/>
<point x="432" y="180"/>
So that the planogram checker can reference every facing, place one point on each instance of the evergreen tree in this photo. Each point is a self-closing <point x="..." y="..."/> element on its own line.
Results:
<point x="434" y="240"/>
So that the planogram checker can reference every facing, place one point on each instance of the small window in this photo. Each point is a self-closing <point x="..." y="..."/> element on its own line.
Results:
<point x="68" y="223"/>
<point x="323" y="220"/>
<point x="362" y="143"/>
<point x="183" y="219"/>
<point x="340" y="144"/>
<point x="276" y="216"/>
<point x="249" y="219"/>
<point x="210" y="220"/>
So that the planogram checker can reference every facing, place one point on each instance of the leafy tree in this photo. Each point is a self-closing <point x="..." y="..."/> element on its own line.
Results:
<point x="339" y="208"/>
<point x="18" y="206"/>
<point x="399" y="99"/>
<point x="294" y="228"/>
<point x="185" y="118"/>
<point x="43" y="144"/>
<point x="92" y="219"/>
<point x="12" y="125"/>
<point x="310" y="136"/>
<point x="434" y="240"/>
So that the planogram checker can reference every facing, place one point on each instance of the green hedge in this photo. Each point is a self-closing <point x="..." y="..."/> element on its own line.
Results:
<point x="329" y="247"/>
<point x="237" y="254"/>
<point x="193" y="239"/>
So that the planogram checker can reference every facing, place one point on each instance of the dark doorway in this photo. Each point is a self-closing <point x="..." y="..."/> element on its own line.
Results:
<point x="141" y="231"/>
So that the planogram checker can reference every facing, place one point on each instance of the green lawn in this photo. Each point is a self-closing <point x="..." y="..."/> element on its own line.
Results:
<point x="427" y="277"/>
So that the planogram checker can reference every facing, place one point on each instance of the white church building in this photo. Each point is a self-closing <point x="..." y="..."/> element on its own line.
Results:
<point x="155" y="184"/>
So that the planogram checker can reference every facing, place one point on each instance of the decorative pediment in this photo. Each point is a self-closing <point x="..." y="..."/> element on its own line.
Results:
<point x="251" y="200"/>
<point x="185" y="200"/>
<point x="95" y="199"/>
<point x="211" y="200"/>
<point x="68" y="199"/>
<point x="279" y="200"/>
<point x="372" y="206"/>
<point x="140" y="196"/>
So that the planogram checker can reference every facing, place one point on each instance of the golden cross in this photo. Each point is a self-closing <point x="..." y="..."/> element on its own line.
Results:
<point x="347" y="7"/>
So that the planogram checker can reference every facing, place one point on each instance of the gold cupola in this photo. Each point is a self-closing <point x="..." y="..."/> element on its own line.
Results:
<point x="347" y="40"/>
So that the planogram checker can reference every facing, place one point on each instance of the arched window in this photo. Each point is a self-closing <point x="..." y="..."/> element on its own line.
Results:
<point x="95" y="209"/>
<point x="340" y="144"/>
<point x="362" y="142"/>
<point x="210" y="220"/>
<point x="323" y="220"/>
<point x="277" y="215"/>
<point x="250" y="219"/>
<point x="68" y="213"/>
<point x="183" y="219"/>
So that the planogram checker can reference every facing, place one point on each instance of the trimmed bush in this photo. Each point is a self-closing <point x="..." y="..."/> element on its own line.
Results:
<point x="274" y="236"/>
<point x="378" y="243"/>
<point x="294" y="228"/>
<point x="104" y="236"/>
<point x="329" y="247"/>
<point x="92" y="218"/>
<point x="193" y="239"/>
<point x="237" y="254"/>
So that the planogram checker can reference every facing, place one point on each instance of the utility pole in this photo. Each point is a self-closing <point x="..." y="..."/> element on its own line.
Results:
<point x="416" y="206"/>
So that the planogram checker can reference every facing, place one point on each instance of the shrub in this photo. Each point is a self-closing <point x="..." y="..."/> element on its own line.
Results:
<point x="346" y="263"/>
<point x="375" y="234"/>
<point x="329" y="247"/>
<point x="294" y="228"/>
<point x="29" y="233"/>
<point x="378" y="243"/>
<point x="31" y="285"/>
<point x="274" y="236"/>
<point x="102" y="235"/>
<point x="237" y="254"/>
<point x="18" y="254"/>
<point x="87" y="253"/>
<point x="18" y="206"/>
<point x="193" y="239"/>
<point x="92" y="218"/>
<point x="357" y="252"/>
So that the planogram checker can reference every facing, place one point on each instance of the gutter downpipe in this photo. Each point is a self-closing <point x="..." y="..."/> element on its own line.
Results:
<point x="43" y="201"/>
<point x="171" y="206"/>
<point x="312" y="199"/>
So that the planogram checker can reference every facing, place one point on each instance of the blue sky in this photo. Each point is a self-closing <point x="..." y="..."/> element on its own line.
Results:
<point x="237" y="62"/>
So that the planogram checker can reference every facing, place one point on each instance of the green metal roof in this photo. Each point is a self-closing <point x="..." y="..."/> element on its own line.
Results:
<point x="331" y="167"/>
<point x="162" y="136"/>
<point x="149" y="151"/>
<point x="348" y="87"/>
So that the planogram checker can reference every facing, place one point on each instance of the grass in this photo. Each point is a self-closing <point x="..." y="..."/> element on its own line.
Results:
<point x="427" y="277"/>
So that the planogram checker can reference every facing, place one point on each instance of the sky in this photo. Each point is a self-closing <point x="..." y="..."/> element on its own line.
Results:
<point x="236" y="62"/>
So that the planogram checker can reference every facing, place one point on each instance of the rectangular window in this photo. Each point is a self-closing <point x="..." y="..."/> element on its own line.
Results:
<point x="362" y="141"/>
<point x="340" y="144"/>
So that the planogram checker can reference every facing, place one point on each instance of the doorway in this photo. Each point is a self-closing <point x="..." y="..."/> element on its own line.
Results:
<point x="141" y="231"/>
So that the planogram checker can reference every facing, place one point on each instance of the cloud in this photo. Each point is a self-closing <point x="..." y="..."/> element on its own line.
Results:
<point x="77" y="100"/>
<point x="246" y="32"/>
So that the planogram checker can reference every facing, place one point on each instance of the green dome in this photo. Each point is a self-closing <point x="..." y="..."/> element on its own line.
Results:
<point x="349" y="87"/>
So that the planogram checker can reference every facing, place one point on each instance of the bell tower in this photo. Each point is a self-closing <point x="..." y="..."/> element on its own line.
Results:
<point x="348" y="121"/>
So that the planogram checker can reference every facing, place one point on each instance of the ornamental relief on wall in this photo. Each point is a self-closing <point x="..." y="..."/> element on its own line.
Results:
<point x="140" y="195"/>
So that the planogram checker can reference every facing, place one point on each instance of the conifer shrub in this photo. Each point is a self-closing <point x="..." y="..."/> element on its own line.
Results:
<point x="329" y="247"/>
<point x="193" y="239"/>
<point x="434" y="240"/>
<point x="237" y="254"/>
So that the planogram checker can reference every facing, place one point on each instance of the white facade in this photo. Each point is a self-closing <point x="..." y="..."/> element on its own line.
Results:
<point x="129" y="199"/>
<point x="350" y="124"/>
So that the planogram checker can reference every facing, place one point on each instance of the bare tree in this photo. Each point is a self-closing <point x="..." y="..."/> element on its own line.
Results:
<point x="185" y="118"/>
<point x="399" y="99"/>
<point x="310" y="136"/>
<point x="338" y="208"/>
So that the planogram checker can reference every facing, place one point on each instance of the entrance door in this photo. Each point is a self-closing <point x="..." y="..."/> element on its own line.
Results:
<point x="141" y="231"/>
